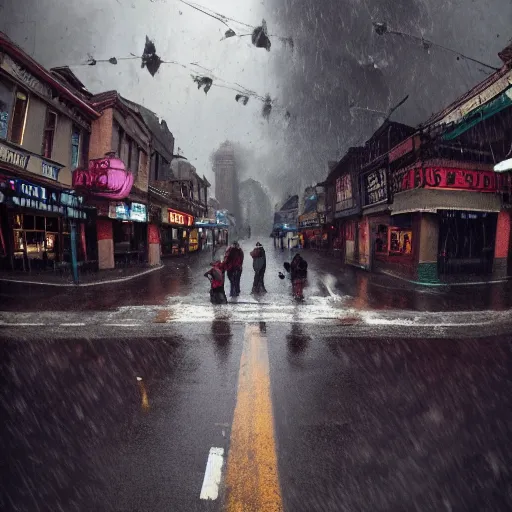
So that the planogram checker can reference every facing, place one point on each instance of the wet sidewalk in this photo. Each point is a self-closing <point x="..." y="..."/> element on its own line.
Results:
<point x="370" y="290"/>
<point x="180" y="283"/>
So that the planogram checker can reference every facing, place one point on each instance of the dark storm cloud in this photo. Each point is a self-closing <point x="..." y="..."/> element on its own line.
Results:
<point x="339" y="62"/>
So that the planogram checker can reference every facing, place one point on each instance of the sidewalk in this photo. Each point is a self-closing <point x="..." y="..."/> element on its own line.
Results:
<point x="384" y="291"/>
<point x="65" y="279"/>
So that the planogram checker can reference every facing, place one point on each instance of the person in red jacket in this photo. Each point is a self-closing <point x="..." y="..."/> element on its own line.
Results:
<point x="216" y="277"/>
<point x="233" y="262"/>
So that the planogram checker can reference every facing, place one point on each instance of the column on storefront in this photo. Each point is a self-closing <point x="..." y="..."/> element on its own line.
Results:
<point x="153" y="245"/>
<point x="428" y="250"/>
<point x="105" y="244"/>
<point x="502" y="246"/>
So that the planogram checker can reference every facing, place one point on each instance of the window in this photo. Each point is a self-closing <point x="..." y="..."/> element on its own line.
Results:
<point x="400" y="242"/>
<point x="19" y="116"/>
<point x="381" y="239"/>
<point x="49" y="133"/>
<point x="5" y="107"/>
<point x="157" y="165"/>
<point x="120" y="138"/>
<point x="75" y="147"/>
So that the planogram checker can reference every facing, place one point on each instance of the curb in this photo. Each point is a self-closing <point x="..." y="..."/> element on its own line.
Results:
<point x="445" y="285"/>
<point x="79" y="285"/>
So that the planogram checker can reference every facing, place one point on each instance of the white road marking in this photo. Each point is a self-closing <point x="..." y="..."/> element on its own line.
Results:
<point x="21" y="325"/>
<point x="78" y="324"/>
<point x="212" y="474"/>
<point x="122" y="325"/>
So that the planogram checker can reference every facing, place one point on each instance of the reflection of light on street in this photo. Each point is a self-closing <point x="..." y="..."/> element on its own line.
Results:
<point x="143" y="395"/>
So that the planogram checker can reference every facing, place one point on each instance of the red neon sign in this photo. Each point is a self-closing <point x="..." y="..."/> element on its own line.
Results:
<point x="447" y="178"/>
<point x="183" y="219"/>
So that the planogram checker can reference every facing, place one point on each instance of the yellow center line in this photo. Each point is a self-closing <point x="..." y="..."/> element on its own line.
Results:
<point x="252" y="479"/>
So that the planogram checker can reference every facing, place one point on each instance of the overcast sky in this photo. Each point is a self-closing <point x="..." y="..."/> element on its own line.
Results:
<point x="338" y="60"/>
<point x="58" y="32"/>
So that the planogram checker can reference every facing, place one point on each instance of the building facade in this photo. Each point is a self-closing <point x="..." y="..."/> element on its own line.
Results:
<point x="44" y="136"/>
<point x="116" y="184"/>
<point x="226" y="179"/>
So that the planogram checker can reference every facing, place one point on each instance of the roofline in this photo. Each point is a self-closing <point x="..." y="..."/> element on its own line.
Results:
<point x="15" y="51"/>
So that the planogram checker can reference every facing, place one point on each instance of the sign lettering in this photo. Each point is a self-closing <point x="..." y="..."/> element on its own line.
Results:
<point x="375" y="187"/>
<point x="49" y="170"/>
<point x="344" y="198"/>
<point x="13" y="157"/>
<point x="182" y="219"/>
<point x="15" y="70"/>
<point x="447" y="178"/>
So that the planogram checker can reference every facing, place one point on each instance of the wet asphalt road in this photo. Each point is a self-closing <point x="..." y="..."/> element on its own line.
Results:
<point x="390" y="417"/>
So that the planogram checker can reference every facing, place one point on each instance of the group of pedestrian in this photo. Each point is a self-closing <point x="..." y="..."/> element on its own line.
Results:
<point x="233" y="266"/>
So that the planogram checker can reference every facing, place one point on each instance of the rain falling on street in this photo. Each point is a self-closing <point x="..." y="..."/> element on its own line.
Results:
<point x="255" y="256"/>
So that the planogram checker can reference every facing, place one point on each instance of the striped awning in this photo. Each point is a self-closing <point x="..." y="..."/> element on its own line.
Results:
<point x="427" y="200"/>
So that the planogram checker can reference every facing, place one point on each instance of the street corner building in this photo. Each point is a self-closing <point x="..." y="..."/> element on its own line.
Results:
<point x="424" y="203"/>
<point x="88" y="181"/>
<point x="44" y="132"/>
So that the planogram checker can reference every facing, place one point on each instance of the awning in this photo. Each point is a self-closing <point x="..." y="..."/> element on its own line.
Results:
<point x="422" y="200"/>
<point x="503" y="101"/>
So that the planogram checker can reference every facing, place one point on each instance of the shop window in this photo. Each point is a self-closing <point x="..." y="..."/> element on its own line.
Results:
<point x="381" y="239"/>
<point x="349" y="231"/>
<point x="17" y="221"/>
<point x="75" y="147"/>
<point x="19" y="116"/>
<point x="40" y="225"/>
<point x="400" y="242"/>
<point x="49" y="133"/>
<point x="52" y="224"/>
<point x="28" y="222"/>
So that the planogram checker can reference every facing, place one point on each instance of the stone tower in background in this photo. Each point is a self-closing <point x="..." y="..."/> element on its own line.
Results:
<point x="226" y="179"/>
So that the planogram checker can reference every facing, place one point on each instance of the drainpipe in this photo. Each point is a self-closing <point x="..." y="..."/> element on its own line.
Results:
<point x="74" y="262"/>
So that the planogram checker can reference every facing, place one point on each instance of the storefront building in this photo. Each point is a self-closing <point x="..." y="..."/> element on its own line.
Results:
<point x="36" y="225"/>
<point x="38" y="214"/>
<point x="285" y="229"/>
<point x="176" y="231"/>
<point x="452" y="210"/>
<point x="311" y="230"/>
<point x="123" y="235"/>
<point x="374" y="210"/>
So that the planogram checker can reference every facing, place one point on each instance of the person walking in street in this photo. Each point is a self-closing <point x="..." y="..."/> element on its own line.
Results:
<point x="233" y="262"/>
<point x="259" y="264"/>
<point x="216" y="277"/>
<point x="298" y="274"/>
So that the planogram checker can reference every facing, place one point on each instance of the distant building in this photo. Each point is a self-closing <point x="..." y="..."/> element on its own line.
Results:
<point x="226" y="178"/>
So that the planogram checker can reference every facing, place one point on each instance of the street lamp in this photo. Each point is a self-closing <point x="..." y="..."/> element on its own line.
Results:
<point x="503" y="166"/>
<point x="382" y="29"/>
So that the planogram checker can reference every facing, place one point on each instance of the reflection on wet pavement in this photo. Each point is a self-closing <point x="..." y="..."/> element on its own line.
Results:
<point x="182" y="280"/>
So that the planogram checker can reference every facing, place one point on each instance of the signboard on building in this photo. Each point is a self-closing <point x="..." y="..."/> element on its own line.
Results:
<point x="446" y="178"/>
<point x="136" y="212"/>
<point x="344" y="197"/>
<point x="179" y="218"/>
<point x="50" y="170"/>
<point x="13" y="156"/>
<point x="29" y="195"/>
<point x="404" y="147"/>
<point x="26" y="78"/>
<point x="308" y="220"/>
<point x="375" y="187"/>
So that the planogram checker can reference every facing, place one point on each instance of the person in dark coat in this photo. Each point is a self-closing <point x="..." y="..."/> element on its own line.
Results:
<point x="259" y="264"/>
<point x="298" y="274"/>
<point x="216" y="277"/>
<point x="233" y="262"/>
